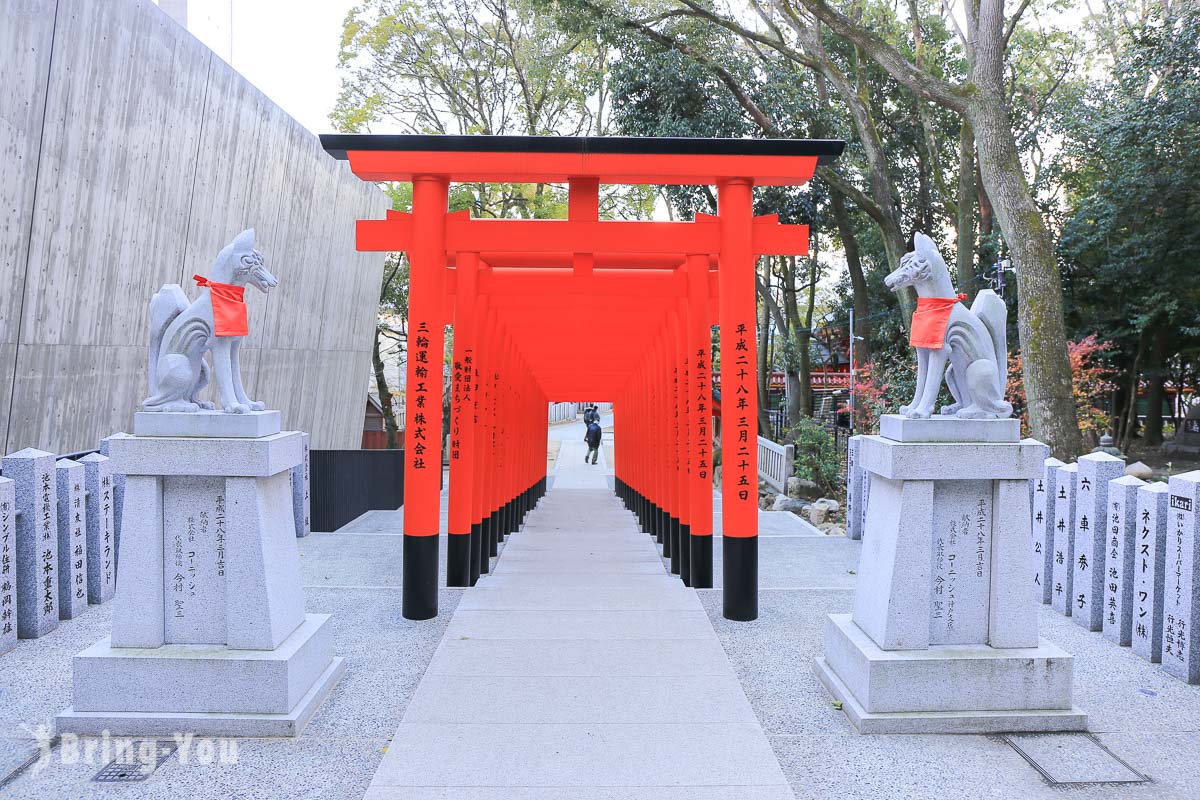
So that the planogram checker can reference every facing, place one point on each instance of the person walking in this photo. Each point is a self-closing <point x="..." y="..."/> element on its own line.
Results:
<point x="590" y="415"/>
<point x="592" y="437"/>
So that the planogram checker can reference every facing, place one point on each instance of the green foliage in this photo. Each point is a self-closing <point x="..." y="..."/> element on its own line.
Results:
<point x="1131" y="173"/>
<point x="487" y="67"/>
<point x="816" y="457"/>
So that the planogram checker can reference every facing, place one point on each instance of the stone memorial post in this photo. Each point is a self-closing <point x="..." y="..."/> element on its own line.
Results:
<point x="72" y="540"/>
<point x="101" y="538"/>
<point x="118" y="485"/>
<point x="944" y="635"/>
<point x="209" y="631"/>
<point x="1043" y="528"/>
<point x="37" y="541"/>
<point x="1062" y="570"/>
<point x="1120" y="546"/>
<point x="1091" y="511"/>
<point x="1181" y="587"/>
<point x="1149" y="567"/>
<point x="301" y="502"/>
<point x="8" y="565"/>
<point x="854" y="489"/>
<point x="865" y="495"/>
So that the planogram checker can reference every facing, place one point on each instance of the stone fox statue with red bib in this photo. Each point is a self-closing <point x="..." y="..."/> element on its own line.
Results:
<point x="182" y="332"/>
<point x="967" y="346"/>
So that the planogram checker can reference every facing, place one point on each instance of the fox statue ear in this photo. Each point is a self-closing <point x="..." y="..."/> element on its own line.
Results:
<point x="926" y="249"/>
<point x="244" y="241"/>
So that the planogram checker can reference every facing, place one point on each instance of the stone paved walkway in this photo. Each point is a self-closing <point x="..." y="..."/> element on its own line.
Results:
<point x="579" y="669"/>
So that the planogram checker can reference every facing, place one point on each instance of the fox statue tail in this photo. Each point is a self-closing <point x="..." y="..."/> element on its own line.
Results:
<point x="167" y="304"/>
<point x="993" y="313"/>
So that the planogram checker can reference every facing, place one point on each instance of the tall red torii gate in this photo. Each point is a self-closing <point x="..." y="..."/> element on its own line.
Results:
<point x="576" y="309"/>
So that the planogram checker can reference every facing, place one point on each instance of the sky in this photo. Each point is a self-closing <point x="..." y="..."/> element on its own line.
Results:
<point x="287" y="48"/>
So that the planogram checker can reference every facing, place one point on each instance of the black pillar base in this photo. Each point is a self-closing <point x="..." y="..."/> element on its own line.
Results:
<point x="740" y="572"/>
<point x="685" y="554"/>
<point x="660" y="529"/>
<point x="494" y="537"/>
<point x="419" y="577"/>
<point x="673" y="530"/>
<point x="485" y="537"/>
<point x="458" y="559"/>
<point x="702" y="562"/>
<point x="476" y="547"/>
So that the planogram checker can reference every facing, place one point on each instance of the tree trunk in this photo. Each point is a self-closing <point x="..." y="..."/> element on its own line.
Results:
<point x="764" y="372"/>
<point x="1152" y="433"/>
<point x="858" y="279"/>
<point x="1129" y="429"/>
<point x="966" y="212"/>
<point x="1046" y="367"/>
<point x="385" y="394"/>
<point x="804" y="340"/>
<point x="798" y="388"/>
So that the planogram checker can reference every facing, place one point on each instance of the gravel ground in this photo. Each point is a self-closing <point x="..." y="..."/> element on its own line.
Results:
<point x="353" y="577"/>
<point x="1145" y="717"/>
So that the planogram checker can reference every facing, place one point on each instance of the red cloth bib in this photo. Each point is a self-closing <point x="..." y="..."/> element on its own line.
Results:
<point x="229" y="307"/>
<point x="929" y="321"/>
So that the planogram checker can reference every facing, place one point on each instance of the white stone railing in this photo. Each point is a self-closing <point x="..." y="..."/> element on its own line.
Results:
<point x="776" y="463"/>
<point x="560" y="412"/>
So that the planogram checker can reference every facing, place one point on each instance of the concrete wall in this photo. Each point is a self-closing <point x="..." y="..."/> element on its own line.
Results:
<point x="129" y="155"/>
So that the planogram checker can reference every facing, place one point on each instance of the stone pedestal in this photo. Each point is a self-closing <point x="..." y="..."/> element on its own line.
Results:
<point x="943" y="637"/>
<point x="209" y="632"/>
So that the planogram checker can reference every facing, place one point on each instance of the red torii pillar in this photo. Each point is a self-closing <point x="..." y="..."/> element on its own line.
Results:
<point x="672" y="465"/>
<point x="462" y="559"/>
<point x="700" y="453"/>
<point x="423" y="398"/>
<point x="739" y="401"/>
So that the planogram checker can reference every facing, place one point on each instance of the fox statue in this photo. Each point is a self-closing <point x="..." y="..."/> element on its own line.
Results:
<point x="968" y="346"/>
<point x="182" y="333"/>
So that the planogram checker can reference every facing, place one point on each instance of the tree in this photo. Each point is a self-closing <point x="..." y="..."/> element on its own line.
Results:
<point x="391" y="336"/>
<point x="981" y="100"/>
<point x="980" y="96"/>
<point x="1131" y="227"/>
<point x="457" y="67"/>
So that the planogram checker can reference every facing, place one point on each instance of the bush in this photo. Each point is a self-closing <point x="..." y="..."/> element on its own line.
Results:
<point x="1090" y="386"/>
<point x="816" y="457"/>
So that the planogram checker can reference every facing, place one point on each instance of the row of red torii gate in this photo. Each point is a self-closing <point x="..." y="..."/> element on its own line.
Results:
<point x="581" y="308"/>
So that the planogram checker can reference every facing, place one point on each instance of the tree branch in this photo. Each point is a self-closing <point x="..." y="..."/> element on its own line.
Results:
<point x="888" y="57"/>
<point x="856" y="195"/>
<point x="1012" y="23"/>
<point x="725" y="76"/>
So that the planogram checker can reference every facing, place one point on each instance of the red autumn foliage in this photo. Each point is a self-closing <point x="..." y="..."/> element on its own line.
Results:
<point x="1091" y="381"/>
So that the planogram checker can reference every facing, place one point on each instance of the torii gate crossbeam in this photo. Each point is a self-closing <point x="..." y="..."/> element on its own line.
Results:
<point x="523" y="294"/>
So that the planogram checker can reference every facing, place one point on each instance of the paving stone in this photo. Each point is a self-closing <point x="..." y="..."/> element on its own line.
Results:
<point x="579" y="657"/>
<point x="590" y="661"/>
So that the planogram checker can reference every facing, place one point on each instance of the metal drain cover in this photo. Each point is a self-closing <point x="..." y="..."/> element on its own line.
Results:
<point x="132" y="767"/>
<point x="1072" y="759"/>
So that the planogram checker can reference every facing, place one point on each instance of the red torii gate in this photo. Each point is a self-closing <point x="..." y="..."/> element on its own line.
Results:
<point x="576" y="309"/>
